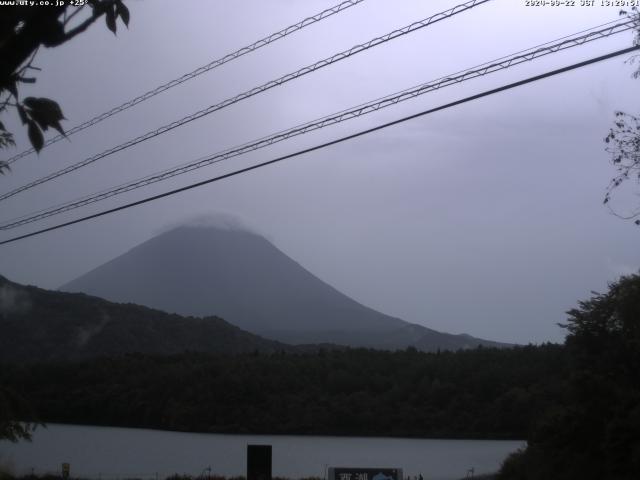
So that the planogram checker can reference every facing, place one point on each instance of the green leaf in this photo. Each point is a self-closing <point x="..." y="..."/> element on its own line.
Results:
<point x="110" y="18"/>
<point x="59" y="128"/>
<point x="35" y="136"/>
<point x="4" y="166"/>
<point x="46" y="112"/>
<point x="123" y="12"/>
<point x="42" y="103"/>
<point x="6" y="140"/>
<point x="23" y="114"/>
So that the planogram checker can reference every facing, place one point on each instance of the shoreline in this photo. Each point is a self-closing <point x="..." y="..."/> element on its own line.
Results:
<point x="44" y="424"/>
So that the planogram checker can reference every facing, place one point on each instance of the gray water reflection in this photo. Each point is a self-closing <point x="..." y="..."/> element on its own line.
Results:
<point x="112" y="453"/>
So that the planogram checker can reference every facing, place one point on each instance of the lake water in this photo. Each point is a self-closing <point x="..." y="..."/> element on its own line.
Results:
<point x="112" y="453"/>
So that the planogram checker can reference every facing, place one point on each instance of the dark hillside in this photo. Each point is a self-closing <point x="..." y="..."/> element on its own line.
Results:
<point x="43" y="325"/>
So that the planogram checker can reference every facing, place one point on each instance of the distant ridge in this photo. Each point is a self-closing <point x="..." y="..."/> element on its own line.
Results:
<point x="39" y="325"/>
<point x="243" y="278"/>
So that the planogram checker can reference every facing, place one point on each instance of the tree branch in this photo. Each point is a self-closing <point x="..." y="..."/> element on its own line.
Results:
<point x="28" y="64"/>
<point x="68" y="19"/>
<point x="98" y="11"/>
<point x="5" y="102"/>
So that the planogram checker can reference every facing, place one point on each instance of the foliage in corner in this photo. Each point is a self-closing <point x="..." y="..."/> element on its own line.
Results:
<point x="623" y="140"/>
<point x="13" y="406"/>
<point x="593" y="433"/>
<point x="23" y="30"/>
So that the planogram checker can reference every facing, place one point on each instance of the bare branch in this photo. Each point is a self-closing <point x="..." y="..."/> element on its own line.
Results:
<point x="27" y="65"/>
<point x="79" y="29"/>
<point x="623" y="143"/>
<point x="70" y="17"/>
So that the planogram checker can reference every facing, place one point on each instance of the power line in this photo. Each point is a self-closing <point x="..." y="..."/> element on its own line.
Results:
<point x="327" y="144"/>
<point x="354" y="112"/>
<point x="254" y="91"/>
<point x="198" y="71"/>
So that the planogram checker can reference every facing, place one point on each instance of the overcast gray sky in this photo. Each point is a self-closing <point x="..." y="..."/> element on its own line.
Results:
<point x="486" y="218"/>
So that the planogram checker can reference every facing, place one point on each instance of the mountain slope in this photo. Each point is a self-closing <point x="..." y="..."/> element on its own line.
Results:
<point x="243" y="278"/>
<point x="43" y="325"/>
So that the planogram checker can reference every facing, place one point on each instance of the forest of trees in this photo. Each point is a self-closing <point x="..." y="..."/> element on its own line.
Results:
<point x="594" y="432"/>
<point x="483" y="393"/>
<point x="577" y="404"/>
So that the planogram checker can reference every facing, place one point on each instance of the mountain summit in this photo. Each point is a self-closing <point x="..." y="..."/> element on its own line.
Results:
<point x="241" y="277"/>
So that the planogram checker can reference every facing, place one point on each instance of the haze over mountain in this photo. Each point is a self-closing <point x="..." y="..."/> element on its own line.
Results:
<point x="45" y="325"/>
<point x="241" y="277"/>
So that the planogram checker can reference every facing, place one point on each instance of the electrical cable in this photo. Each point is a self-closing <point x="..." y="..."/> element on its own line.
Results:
<point x="254" y="91"/>
<point x="354" y="112"/>
<point x="193" y="74"/>
<point x="327" y="144"/>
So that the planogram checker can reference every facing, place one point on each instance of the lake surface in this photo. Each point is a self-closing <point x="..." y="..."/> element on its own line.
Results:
<point x="118" y="453"/>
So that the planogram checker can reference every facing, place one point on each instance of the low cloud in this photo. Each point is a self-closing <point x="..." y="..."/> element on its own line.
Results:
<point x="220" y="220"/>
<point x="87" y="333"/>
<point x="13" y="300"/>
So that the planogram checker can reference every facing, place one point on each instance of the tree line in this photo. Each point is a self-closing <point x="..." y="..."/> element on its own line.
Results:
<point x="482" y="393"/>
<point x="593" y="432"/>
